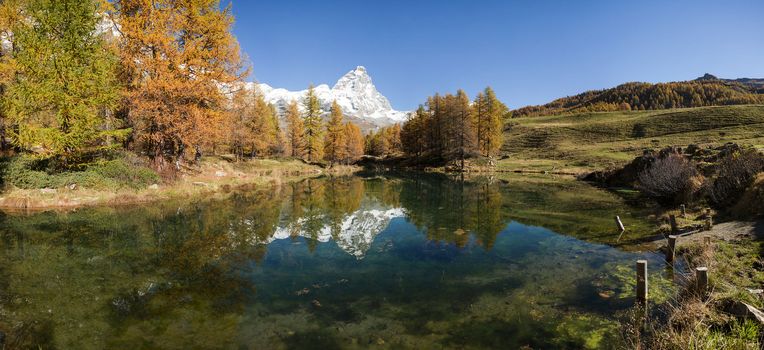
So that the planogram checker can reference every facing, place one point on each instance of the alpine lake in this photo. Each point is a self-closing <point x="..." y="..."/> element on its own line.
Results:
<point x="390" y="261"/>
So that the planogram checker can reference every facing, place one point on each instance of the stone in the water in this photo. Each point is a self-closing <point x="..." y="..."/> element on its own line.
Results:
<point x="302" y="291"/>
<point x="315" y="303"/>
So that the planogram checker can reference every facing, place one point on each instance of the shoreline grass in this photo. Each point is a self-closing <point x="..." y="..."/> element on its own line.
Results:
<point x="211" y="177"/>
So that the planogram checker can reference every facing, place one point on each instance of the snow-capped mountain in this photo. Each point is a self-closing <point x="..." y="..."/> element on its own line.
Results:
<point x="356" y="234"/>
<point x="354" y="92"/>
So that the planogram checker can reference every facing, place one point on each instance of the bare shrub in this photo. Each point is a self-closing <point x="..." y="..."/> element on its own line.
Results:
<point x="671" y="179"/>
<point x="750" y="203"/>
<point x="736" y="172"/>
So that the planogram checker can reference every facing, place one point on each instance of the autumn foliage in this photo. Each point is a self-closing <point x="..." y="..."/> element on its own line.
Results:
<point x="175" y="56"/>
<point x="450" y="128"/>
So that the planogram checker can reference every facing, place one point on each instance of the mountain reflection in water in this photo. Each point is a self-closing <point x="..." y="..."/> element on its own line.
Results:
<point x="389" y="262"/>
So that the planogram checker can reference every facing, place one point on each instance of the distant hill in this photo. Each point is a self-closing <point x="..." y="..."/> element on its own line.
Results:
<point x="756" y="84"/>
<point x="707" y="90"/>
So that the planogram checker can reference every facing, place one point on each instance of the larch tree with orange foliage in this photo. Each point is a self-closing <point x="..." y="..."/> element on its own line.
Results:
<point x="314" y="133"/>
<point x="335" y="144"/>
<point x="295" y="131"/>
<point x="264" y="128"/>
<point x="176" y="54"/>
<point x="353" y="142"/>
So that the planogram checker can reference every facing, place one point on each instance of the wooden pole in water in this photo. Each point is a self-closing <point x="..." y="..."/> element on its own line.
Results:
<point x="683" y="208"/>
<point x="619" y="224"/>
<point x="674" y="226"/>
<point x="701" y="275"/>
<point x="642" y="281"/>
<point x="671" y="248"/>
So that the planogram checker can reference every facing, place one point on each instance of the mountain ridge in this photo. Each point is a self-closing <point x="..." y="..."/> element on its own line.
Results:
<point x="355" y="93"/>
<point x="704" y="91"/>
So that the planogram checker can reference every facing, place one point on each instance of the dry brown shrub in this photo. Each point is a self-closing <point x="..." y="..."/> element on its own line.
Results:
<point x="736" y="173"/>
<point x="671" y="179"/>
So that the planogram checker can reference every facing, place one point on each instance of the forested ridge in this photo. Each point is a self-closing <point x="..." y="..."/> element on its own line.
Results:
<point x="705" y="91"/>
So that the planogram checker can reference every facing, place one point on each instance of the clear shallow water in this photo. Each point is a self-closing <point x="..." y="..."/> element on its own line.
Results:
<point x="422" y="262"/>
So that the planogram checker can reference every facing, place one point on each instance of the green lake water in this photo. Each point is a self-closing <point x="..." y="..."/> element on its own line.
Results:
<point x="419" y="262"/>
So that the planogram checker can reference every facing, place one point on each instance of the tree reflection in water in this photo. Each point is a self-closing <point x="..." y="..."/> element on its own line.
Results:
<point x="209" y="273"/>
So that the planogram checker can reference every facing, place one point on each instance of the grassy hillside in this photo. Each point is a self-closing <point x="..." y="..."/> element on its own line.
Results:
<point x="587" y="141"/>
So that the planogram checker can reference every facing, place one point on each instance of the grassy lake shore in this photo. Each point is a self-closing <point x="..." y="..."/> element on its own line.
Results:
<point x="211" y="177"/>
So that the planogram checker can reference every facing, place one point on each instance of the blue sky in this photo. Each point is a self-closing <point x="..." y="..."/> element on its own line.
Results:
<point x="530" y="52"/>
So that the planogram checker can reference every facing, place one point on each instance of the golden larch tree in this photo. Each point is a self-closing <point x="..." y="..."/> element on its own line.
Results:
<point x="240" y="114"/>
<point x="176" y="56"/>
<point x="353" y="142"/>
<point x="489" y="122"/>
<point x="314" y="135"/>
<point x="295" y="130"/>
<point x="264" y="129"/>
<point x="335" y="144"/>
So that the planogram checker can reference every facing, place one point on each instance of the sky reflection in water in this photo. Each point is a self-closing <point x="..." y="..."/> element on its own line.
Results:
<point x="353" y="262"/>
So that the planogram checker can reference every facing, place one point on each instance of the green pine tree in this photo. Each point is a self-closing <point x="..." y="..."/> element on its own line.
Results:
<point x="65" y="84"/>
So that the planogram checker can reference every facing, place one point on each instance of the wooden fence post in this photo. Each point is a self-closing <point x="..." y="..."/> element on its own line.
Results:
<point x="683" y="209"/>
<point x="642" y="281"/>
<point x="619" y="224"/>
<point x="674" y="226"/>
<point x="671" y="248"/>
<point x="701" y="275"/>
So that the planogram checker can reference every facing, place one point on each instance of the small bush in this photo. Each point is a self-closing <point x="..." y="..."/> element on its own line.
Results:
<point x="29" y="173"/>
<point x="638" y="131"/>
<point x="670" y="180"/>
<point x="750" y="204"/>
<point x="736" y="172"/>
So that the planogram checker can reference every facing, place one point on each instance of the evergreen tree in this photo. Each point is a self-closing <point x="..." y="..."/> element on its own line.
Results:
<point x="295" y="131"/>
<point x="314" y="143"/>
<point x="335" y="146"/>
<point x="63" y="82"/>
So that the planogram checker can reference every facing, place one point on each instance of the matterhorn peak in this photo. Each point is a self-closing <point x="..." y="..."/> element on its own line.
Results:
<point x="357" y="79"/>
<point x="354" y="92"/>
